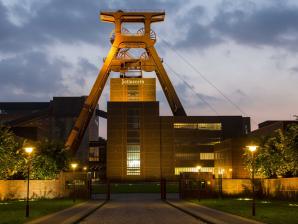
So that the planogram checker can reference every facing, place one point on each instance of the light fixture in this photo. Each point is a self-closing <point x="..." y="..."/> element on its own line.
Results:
<point x="252" y="148"/>
<point x="74" y="165"/>
<point x="28" y="149"/>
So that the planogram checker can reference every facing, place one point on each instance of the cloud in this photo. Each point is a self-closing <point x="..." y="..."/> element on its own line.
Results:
<point x="50" y="22"/>
<point x="31" y="73"/>
<point x="273" y="25"/>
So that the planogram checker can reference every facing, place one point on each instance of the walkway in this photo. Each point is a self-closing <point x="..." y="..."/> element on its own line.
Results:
<point x="138" y="209"/>
<point x="70" y="215"/>
<point x="210" y="215"/>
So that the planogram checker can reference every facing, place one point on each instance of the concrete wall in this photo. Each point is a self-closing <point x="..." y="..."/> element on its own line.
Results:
<point x="17" y="189"/>
<point x="275" y="188"/>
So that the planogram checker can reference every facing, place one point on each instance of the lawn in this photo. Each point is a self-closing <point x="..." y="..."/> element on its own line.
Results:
<point x="268" y="211"/>
<point x="14" y="211"/>
<point x="134" y="188"/>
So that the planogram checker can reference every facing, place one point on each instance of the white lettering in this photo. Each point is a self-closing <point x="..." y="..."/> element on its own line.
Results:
<point x="133" y="81"/>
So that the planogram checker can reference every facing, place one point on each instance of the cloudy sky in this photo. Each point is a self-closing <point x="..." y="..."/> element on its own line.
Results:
<point x="224" y="57"/>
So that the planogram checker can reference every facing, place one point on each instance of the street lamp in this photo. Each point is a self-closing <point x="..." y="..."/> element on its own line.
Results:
<point x="73" y="167"/>
<point x="252" y="149"/>
<point x="28" y="150"/>
<point x="199" y="169"/>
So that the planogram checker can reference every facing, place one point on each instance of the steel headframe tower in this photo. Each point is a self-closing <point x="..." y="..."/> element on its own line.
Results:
<point x="119" y="60"/>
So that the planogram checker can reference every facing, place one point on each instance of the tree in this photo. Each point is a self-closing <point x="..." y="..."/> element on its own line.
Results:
<point x="11" y="154"/>
<point x="48" y="159"/>
<point x="277" y="154"/>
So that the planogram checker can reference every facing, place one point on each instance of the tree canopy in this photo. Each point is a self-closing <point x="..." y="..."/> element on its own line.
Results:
<point x="47" y="159"/>
<point x="277" y="154"/>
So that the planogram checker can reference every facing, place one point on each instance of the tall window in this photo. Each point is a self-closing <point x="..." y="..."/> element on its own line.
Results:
<point x="133" y="160"/>
<point x="133" y="149"/>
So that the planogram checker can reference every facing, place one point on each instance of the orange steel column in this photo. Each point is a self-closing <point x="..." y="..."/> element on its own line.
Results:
<point x="76" y="135"/>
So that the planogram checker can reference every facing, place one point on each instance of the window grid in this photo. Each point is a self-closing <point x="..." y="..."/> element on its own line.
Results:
<point x="199" y="126"/>
<point x="179" y="170"/>
<point x="206" y="156"/>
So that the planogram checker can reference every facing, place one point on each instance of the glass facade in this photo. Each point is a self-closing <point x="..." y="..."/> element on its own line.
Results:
<point x="133" y="148"/>
<point x="133" y="160"/>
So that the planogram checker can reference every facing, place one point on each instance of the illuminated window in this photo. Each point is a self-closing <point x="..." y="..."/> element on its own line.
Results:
<point x="199" y="126"/>
<point x="186" y="125"/>
<point x="133" y="166"/>
<point x="179" y="170"/>
<point x="133" y="160"/>
<point x="206" y="156"/>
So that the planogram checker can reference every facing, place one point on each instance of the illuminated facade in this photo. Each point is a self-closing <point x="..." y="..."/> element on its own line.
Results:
<point x="145" y="146"/>
<point x="132" y="90"/>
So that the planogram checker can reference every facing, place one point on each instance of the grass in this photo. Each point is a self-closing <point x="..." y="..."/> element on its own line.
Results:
<point x="268" y="211"/>
<point x="134" y="188"/>
<point x="14" y="211"/>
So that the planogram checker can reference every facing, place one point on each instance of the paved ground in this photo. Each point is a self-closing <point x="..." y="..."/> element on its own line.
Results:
<point x="210" y="215"/>
<point x="69" y="215"/>
<point x="138" y="209"/>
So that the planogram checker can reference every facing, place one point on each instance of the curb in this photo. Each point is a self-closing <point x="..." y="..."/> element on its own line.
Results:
<point x="189" y="213"/>
<point x="90" y="212"/>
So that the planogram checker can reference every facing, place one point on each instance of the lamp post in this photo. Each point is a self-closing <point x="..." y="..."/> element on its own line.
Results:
<point x="28" y="150"/>
<point x="73" y="167"/>
<point x="252" y="149"/>
<point x="199" y="194"/>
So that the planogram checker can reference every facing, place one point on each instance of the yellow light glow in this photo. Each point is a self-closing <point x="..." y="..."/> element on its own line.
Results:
<point x="28" y="150"/>
<point x="199" y="168"/>
<point x="230" y="169"/>
<point x="252" y="148"/>
<point x="74" y="166"/>
<point x="85" y="168"/>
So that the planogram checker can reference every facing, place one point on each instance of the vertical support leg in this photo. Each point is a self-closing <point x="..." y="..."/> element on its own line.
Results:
<point x="76" y="135"/>
<point x="108" y="190"/>
<point x="166" y="84"/>
<point x="163" y="190"/>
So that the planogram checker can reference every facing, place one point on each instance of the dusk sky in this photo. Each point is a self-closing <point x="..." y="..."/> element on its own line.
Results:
<point x="248" y="50"/>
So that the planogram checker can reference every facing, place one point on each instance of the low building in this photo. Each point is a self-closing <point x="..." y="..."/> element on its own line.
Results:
<point x="228" y="155"/>
<point x="48" y="120"/>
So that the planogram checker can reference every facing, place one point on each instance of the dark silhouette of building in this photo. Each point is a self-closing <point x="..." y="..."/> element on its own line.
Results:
<point x="48" y="120"/>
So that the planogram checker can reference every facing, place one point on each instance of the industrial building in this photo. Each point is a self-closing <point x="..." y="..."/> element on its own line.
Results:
<point x="49" y="120"/>
<point x="229" y="159"/>
<point x="142" y="145"/>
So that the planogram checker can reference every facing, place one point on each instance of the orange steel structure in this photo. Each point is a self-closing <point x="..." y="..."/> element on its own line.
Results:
<point x="120" y="60"/>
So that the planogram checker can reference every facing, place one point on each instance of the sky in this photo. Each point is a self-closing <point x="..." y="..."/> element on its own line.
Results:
<point x="225" y="57"/>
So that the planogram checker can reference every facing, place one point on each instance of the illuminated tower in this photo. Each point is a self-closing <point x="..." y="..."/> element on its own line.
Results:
<point x="120" y="60"/>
